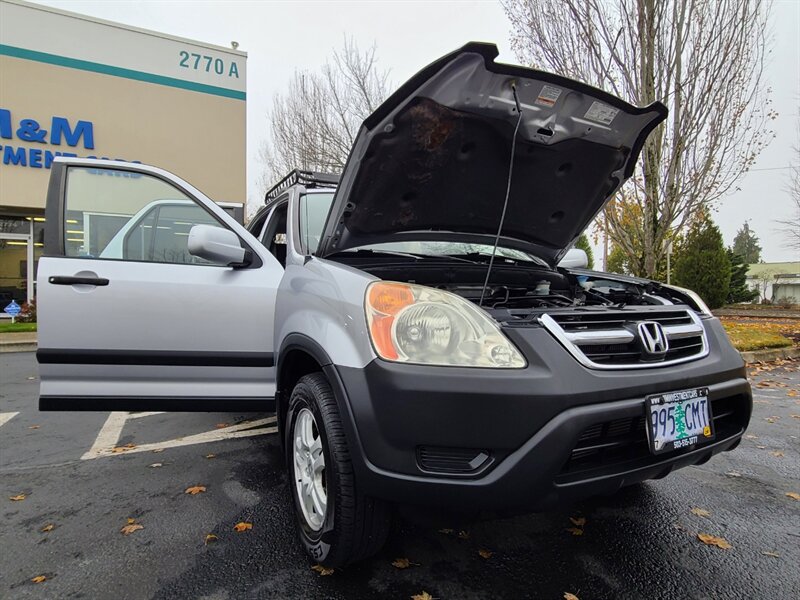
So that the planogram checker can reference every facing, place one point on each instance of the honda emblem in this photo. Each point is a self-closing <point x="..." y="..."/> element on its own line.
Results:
<point x="654" y="340"/>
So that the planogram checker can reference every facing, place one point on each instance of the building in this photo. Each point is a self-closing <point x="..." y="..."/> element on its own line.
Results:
<point x="77" y="86"/>
<point x="775" y="281"/>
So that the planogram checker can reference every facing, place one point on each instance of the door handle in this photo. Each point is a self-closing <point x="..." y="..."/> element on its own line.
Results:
<point x="68" y="280"/>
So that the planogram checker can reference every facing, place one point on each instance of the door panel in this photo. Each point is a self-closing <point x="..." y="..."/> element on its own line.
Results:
<point x="146" y="325"/>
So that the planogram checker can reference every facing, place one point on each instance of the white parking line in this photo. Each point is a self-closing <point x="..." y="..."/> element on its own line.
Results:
<point x="6" y="417"/>
<point x="109" y="435"/>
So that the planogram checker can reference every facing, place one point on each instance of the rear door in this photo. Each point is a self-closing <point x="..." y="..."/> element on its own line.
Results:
<point x="128" y="318"/>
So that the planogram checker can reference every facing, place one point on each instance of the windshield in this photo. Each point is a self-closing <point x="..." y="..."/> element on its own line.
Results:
<point x="314" y="210"/>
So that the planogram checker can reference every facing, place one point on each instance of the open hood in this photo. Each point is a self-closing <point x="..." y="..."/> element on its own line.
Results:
<point x="431" y="163"/>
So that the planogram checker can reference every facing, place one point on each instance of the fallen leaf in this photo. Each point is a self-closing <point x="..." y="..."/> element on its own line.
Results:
<point x="423" y="596"/>
<point x="568" y="596"/>
<point x="125" y="448"/>
<point x="446" y="531"/>
<point x="487" y="554"/>
<point x="195" y="489"/>
<point x="792" y="393"/>
<point x="242" y="526"/>
<point x="210" y="455"/>
<point x="34" y="427"/>
<point x="322" y="570"/>
<point x="158" y="450"/>
<point x="48" y="527"/>
<point x="772" y="554"/>
<point x="210" y="537"/>
<point x="751" y="437"/>
<point x="700" y="512"/>
<point x="578" y="521"/>
<point x="17" y="498"/>
<point x="402" y="563"/>
<point x="156" y="465"/>
<point x="575" y="531"/>
<point x="777" y="453"/>
<point x="221" y="425"/>
<point x="712" y="540"/>
<point x="129" y="529"/>
<point x="131" y="521"/>
<point x="796" y="416"/>
<point x="39" y="579"/>
<point x="463" y="535"/>
<point x="793" y="495"/>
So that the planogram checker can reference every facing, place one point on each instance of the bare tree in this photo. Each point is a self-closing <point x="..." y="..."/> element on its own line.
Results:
<point x="704" y="59"/>
<point x="313" y="125"/>
<point x="790" y="228"/>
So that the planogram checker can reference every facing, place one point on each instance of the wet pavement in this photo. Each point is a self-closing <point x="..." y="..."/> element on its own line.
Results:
<point x="640" y="543"/>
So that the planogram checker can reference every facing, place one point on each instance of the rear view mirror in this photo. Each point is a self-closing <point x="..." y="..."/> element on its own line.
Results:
<point x="217" y="245"/>
<point x="575" y="258"/>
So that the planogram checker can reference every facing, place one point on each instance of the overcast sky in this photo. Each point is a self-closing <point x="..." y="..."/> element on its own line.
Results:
<point x="280" y="37"/>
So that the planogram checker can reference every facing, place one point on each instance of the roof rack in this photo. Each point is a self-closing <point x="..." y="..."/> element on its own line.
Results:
<point x="306" y="178"/>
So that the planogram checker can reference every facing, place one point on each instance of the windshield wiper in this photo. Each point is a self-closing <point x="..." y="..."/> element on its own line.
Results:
<point x="484" y="256"/>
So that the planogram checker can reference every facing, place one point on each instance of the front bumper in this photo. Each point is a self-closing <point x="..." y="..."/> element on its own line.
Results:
<point x="551" y="432"/>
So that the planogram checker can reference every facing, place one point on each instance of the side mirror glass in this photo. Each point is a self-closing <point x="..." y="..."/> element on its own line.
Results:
<point x="575" y="258"/>
<point x="217" y="245"/>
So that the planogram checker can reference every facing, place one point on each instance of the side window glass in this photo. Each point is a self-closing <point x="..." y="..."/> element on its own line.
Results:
<point x="274" y="237"/>
<point x="138" y="242"/>
<point x="119" y="215"/>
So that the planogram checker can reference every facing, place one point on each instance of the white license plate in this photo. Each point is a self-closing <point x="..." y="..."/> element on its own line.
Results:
<point x="678" y="419"/>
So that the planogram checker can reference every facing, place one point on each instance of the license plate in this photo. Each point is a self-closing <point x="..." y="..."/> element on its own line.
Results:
<point x="678" y="419"/>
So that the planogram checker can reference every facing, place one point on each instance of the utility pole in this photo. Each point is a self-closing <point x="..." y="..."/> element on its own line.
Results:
<point x="669" y="256"/>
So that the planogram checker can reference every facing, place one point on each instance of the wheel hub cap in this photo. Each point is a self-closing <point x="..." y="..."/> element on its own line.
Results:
<point x="309" y="469"/>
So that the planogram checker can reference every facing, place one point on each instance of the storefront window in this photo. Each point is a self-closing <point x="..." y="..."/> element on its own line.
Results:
<point x="15" y="235"/>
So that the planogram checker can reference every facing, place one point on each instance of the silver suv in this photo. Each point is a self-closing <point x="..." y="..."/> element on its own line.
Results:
<point x="408" y="322"/>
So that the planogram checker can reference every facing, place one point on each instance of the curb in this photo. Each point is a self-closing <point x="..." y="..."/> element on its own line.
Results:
<point x="771" y="354"/>
<point x="17" y="347"/>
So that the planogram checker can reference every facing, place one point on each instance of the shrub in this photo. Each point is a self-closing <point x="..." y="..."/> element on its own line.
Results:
<point x="27" y="314"/>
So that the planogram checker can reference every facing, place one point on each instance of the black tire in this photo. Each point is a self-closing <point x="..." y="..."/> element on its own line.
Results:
<point x="355" y="526"/>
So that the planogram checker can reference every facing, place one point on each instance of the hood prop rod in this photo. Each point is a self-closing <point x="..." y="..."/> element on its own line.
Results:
<point x="508" y="193"/>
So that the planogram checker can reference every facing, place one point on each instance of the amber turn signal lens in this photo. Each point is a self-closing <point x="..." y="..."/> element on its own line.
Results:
<point x="384" y="301"/>
<point x="389" y="298"/>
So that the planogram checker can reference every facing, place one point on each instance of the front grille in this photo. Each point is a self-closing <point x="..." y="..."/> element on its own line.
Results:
<point x="612" y="447"/>
<point x="610" y="339"/>
<point x="454" y="461"/>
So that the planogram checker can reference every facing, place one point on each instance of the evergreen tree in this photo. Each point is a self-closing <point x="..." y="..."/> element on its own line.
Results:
<point x="583" y="244"/>
<point x="738" y="291"/>
<point x="746" y="245"/>
<point x="703" y="265"/>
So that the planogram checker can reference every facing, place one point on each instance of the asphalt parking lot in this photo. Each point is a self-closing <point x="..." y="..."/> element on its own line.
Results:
<point x="641" y="543"/>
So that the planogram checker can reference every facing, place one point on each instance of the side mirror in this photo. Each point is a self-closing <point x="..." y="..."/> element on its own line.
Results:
<point x="575" y="258"/>
<point x="217" y="245"/>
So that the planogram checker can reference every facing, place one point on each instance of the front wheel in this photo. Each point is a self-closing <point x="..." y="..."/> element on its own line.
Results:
<point x="336" y="523"/>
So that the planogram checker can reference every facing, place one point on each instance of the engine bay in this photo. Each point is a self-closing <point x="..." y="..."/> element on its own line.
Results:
<point x="521" y="292"/>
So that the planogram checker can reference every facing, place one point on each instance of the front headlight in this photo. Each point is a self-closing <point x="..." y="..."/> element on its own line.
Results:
<point x="417" y="324"/>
